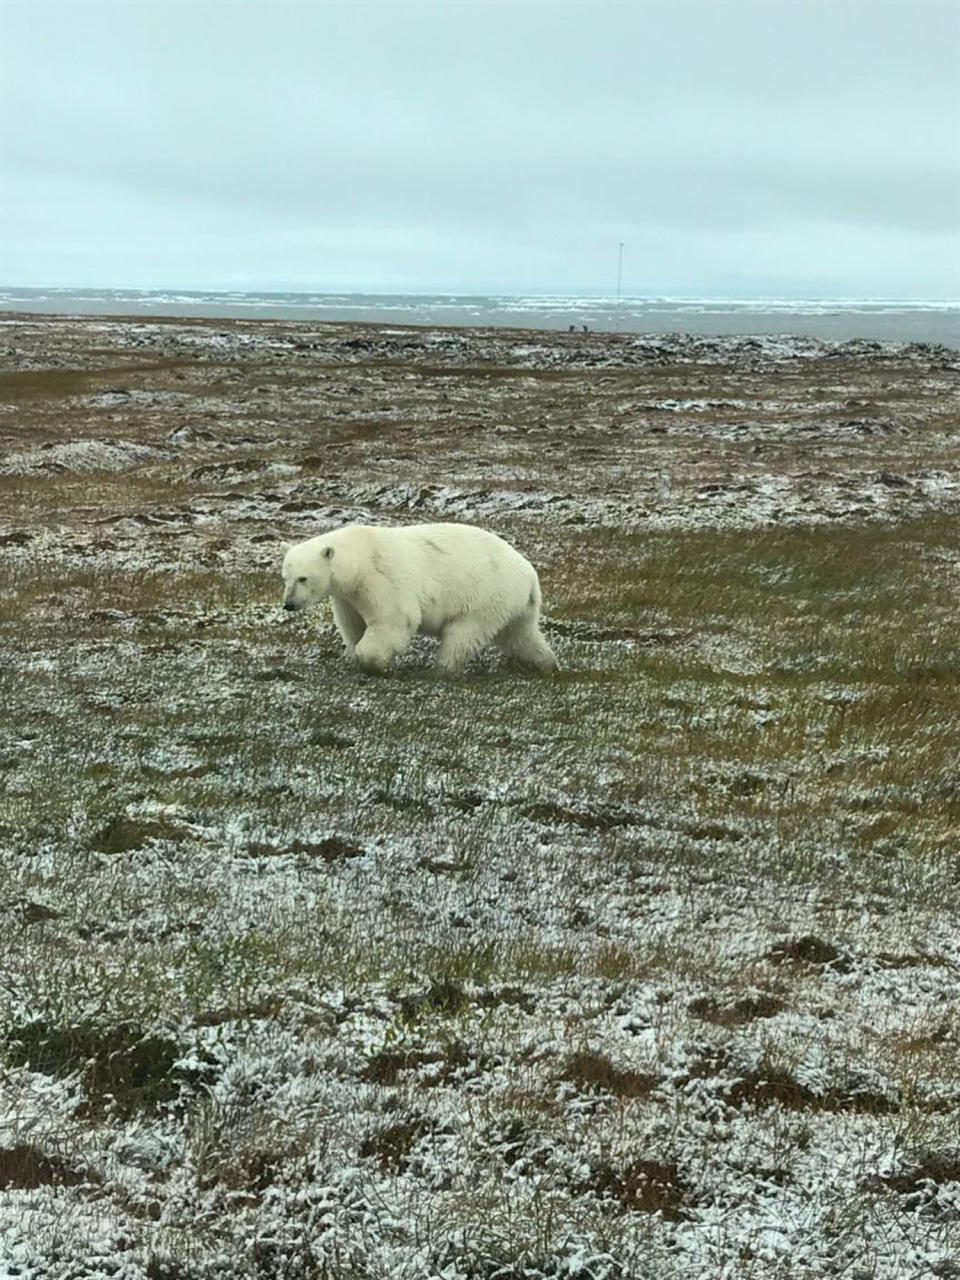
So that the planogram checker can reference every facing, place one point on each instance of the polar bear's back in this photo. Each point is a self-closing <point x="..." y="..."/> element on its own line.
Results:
<point x="465" y="542"/>
<point x="458" y="568"/>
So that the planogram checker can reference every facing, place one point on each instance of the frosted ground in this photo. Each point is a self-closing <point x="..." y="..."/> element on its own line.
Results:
<point x="651" y="969"/>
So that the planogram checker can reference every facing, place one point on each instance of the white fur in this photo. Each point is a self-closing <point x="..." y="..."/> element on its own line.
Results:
<point x="455" y="581"/>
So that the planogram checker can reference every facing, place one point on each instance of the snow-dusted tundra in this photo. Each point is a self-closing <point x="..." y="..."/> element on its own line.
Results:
<point x="463" y="584"/>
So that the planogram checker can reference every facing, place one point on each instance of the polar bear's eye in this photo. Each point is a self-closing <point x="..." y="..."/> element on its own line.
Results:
<point x="301" y="579"/>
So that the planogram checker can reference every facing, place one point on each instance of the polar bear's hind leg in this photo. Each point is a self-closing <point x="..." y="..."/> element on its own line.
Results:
<point x="522" y="640"/>
<point x="460" y="640"/>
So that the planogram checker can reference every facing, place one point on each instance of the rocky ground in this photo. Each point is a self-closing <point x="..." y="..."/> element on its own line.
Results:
<point x="649" y="969"/>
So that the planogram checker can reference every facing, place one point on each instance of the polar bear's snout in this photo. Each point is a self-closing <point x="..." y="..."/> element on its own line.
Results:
<point x="296" y="594"/>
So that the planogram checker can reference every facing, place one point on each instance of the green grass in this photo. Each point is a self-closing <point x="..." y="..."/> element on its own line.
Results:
<point x="834" y="693"/>
<point x="515" y="948"/>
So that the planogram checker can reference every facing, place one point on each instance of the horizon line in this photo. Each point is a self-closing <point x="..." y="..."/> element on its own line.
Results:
<point x="595" y="295"/>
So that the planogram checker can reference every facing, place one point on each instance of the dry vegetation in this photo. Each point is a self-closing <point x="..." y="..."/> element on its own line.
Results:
<point x="650" y="969"/>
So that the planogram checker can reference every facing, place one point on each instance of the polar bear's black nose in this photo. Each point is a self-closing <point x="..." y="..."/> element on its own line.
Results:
<point x="290" y="605"/>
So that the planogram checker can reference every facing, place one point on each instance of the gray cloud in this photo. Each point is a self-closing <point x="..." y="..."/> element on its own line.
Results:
<point x="751" y="144"/>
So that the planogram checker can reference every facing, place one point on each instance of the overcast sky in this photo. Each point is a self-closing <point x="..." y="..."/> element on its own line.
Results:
<point x="741" y="147"/>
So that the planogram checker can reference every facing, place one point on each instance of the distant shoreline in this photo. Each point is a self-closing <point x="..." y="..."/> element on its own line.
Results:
<point x="830" y="319"/>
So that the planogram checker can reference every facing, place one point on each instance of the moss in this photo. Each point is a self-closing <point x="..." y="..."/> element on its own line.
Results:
<point x="121" y="1067"/>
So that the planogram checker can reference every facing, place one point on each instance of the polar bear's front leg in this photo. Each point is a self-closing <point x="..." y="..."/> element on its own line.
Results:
<point x="350" y="624"/>
<point x="381" y="642"/>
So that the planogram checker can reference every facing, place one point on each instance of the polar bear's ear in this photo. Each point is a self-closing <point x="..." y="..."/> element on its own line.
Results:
<point x="328" y="553"/>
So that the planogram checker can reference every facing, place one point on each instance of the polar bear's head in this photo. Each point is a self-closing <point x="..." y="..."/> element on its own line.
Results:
<point x="308" y="572"/>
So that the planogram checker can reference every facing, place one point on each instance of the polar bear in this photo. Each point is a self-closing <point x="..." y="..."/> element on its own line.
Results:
<point x="455" y="581"/>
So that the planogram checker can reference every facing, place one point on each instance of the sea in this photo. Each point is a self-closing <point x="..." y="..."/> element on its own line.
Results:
<point x="893" y="320"/>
